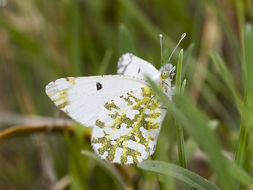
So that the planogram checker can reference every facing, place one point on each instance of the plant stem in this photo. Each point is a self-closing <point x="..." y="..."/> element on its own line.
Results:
<point x="180" y="144"/>
<point x="240" y="155"/>
<point x="16" y="131"/>
<point x="179" y="130"/>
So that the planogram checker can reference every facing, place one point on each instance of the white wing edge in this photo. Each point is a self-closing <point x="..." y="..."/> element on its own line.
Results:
<point x="132" y="65"/>
<point x="80" y="98"/>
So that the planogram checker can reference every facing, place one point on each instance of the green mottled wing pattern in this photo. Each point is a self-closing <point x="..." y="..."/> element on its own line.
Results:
<point x="127" y="128"/>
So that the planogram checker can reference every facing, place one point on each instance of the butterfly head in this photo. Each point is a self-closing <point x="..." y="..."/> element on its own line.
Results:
<point x="167" y="72"/>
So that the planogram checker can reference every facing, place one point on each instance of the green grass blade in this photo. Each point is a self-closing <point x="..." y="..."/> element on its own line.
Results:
<point x="228" y="79"/>
<point x="183" y="86"/>
<point x="241" y="146"/>
<point x="110" y="171"/>
<point x="179" y="129"/>
<point x="209" y="95"/>
<point x="246" y="124"/>
<point x="126" y="43"/>
<point x="180" y="144"/>
<point x="75" y="38"/>
<point x="189" y="62"/>
<point x="105" y="62"/>
<point x="179" y="69"/>
<point x="191" y="145"/>
<point x="179" y="173"/>
<point x="196" y="124"/>
<point x="239" y="174"/>
<point x="77" y="164"/>
<point x="190" y="148"/>
<point x="243" y="152"/>
<point x="248" y="70"/>
<point x="198" y="127"/>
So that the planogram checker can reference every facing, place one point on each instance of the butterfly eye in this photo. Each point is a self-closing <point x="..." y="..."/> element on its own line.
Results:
<point x="164" y="75"/>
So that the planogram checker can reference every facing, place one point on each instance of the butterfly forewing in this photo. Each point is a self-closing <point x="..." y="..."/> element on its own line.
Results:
<point x="126" y="129"/>
<point x="82" y="98"/>
<point x="131" y="65"/>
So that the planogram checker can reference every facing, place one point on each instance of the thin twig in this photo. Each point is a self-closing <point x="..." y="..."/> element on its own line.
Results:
<point x="10" y="119"/>
<point x="27" y="130"/>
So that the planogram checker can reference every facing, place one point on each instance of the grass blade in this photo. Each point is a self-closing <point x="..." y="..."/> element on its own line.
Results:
<point x="179" y="173"/>
<point x="248" y="70"/>
<point x="180" y="133"/>
<point x="75" y="38"/>
<point x="105" y="62"/>
<point x="126" y="43"/>
<point x="239" y="174"/>
<point x="77" y="164"/>
<point x="220" y="65"/>
<point x="179" y="69"/>
<point x="242" y="152"/>
<point x="190" y="148"/>
<point x="106" y="167"/>
<point x="196" y="124"/>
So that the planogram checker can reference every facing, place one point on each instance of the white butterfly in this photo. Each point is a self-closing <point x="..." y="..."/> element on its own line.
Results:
<point x="122" y="109"/>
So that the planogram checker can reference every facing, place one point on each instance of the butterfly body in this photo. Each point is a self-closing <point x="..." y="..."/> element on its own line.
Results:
<point x="123" y="110"/>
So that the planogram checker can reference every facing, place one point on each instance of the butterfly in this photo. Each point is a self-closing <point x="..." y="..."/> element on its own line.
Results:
<point x="123" y="110"/>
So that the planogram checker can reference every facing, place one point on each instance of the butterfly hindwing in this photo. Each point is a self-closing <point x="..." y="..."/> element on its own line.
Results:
<point x="127" y="128"/>
<point x="82" y="98"/>
<point x="131" y="65"/>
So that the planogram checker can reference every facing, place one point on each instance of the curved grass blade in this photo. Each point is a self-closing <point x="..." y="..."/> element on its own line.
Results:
<point x="110" y="171"/>
<point x="178" y="173"/>
<point x="227" y="77"/>
<point x="239" y="174"/>
<point x="196" y="124"/>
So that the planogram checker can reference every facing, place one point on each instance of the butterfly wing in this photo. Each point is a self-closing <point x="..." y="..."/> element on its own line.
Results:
<point x="83" y="97"/>
<point x="127" y="128"/>
<point x="131" y="65"/>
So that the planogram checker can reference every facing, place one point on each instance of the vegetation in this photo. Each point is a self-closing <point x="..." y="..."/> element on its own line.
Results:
<point x="205" y="141"/>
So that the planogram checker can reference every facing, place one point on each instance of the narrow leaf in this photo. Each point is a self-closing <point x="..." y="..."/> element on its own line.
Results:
<point x="227" y="77"/>
<point x="239" y="174"/>
<point x="126" y="43"/>
<point x="179" y="129"/>
<point x="248" y="67"/>
<point x="178" y="173"/>
<point x="196" y="124"/>
<point x="179" y="69"/>
<point x="105" y="62"/>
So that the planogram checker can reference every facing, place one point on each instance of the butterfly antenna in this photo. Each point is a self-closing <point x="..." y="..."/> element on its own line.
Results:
<point x="182" y="37"/>
<point x="161" y="46"/>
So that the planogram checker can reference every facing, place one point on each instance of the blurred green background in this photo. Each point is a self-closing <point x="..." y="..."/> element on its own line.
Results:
<point x="42" y="40"/>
